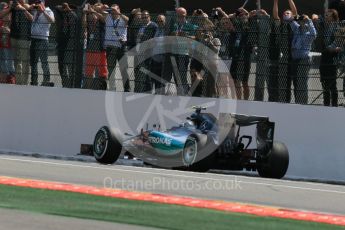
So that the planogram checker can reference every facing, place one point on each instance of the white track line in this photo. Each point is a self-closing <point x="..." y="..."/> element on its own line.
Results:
<point x="162" y="173"/>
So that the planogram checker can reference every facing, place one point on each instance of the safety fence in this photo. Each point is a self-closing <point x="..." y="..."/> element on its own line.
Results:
<point x="247" y="56"/>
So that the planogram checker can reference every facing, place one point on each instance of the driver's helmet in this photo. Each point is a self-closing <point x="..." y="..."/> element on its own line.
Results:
<point x="189" y="123"/>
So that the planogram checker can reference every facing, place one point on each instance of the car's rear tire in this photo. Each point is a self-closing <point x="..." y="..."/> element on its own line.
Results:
<point x="106" y="147"/>
<point x="275" y="164"/>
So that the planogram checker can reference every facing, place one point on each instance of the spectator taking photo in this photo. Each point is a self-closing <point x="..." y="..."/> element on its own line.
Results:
<point x="6" y="56"/>
<point x="42" y="19"/>
<point x="115" y="44"/>
<point x="20" y="34"/>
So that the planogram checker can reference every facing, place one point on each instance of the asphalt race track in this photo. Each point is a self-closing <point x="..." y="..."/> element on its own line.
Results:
<point x="315" y="197"/>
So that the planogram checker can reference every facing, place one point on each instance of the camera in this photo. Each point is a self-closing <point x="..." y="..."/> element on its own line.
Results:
<point x="199" y="12"/>
<point x="35" y="4"/>
<point x="15" y="4"/>
<point x="32" y="2"/>
<point x="299" y="18"/>
<point x="238" y="12"/>
<point x="206" y="36"/>
<point x="215" y="14"/>
<point x="108" y="10"/>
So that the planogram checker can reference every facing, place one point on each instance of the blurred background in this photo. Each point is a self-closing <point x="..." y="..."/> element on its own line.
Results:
<point x="154" y="6"/>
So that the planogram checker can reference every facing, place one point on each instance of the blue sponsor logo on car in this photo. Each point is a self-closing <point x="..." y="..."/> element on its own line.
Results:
<point x="160" y="140"/>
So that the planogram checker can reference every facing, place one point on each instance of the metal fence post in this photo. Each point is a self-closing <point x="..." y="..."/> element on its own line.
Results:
<point x="79" y="47"/>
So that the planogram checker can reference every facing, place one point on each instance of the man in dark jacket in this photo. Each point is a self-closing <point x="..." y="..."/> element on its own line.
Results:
<point x="158" y="55"/>
<point x="338" y="5"/>
<point x="143" y="83"/>
<point x="66" y="40"/>
<point x="280" y="54"/>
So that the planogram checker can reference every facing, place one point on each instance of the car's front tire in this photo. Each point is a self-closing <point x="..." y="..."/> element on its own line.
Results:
<point x="275" y="164"/>
<point x="190" y="151"/>
<point x="106" y="147"/>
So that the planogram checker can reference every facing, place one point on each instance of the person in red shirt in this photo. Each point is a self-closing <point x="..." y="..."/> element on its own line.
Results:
<point x="6" y="56"/>
<point x="96" y="58"/>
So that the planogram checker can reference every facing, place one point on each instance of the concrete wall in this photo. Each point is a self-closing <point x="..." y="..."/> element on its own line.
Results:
<point x="56" y="121"/>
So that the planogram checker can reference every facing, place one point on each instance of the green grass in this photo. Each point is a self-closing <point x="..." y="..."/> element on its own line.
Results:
<point x="139" y="213"/>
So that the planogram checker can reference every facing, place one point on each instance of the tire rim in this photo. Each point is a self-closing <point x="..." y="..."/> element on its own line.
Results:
<point x="100" y="144"/>
<point x="189" y="152"/>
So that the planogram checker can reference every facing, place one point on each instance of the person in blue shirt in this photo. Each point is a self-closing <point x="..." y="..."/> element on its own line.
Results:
<point x="304" y="33"/>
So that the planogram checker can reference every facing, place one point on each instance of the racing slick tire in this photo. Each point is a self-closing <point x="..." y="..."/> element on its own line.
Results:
<point x="190" y="151"/>
<point x="276" y="163"/>
<point x="190" y="155"/>
<point x="106" y="147"/>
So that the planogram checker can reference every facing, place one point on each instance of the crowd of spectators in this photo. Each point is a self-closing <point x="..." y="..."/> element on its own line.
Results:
<point x="282" y="47"/>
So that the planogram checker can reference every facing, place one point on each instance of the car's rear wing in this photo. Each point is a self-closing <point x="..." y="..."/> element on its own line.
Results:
<point x="228" y="122"/>
<point x="240" y="119"/>
<point x="245" y="120"/>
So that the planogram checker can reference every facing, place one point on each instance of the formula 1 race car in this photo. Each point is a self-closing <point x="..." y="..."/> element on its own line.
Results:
<point x="201" y="143"/>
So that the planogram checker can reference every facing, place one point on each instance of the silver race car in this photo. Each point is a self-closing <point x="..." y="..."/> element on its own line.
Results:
<point x="201" y="143"/>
